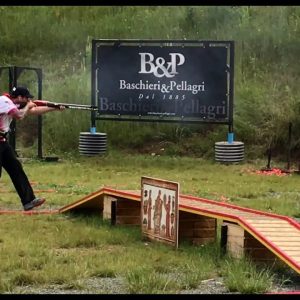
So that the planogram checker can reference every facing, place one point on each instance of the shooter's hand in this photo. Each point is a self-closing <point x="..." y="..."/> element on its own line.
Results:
<point x="30" y="104"/>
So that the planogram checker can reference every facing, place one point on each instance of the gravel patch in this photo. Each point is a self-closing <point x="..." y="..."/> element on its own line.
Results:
<point x="114" y="286"/>
<point x="209" y="286"/>
<point x="87" y="286"/>
<point x="117" y="285"/>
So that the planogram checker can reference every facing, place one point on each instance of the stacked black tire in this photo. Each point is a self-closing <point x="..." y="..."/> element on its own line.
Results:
<point x="229" y="152"/>
<point x="91" y="144"/>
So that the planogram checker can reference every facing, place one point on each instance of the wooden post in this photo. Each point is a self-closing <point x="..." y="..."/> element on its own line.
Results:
<point x="109" y="211"/>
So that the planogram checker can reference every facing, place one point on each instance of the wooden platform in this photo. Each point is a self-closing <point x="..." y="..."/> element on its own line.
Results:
<point x="277" y="233"/>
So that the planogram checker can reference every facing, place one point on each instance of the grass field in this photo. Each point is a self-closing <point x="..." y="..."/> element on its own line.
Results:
<point x="75" y="176"/>
<point x="63" y="250"/>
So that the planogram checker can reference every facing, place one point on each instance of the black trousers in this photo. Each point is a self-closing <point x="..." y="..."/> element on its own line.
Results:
<point x="13" y="167"/>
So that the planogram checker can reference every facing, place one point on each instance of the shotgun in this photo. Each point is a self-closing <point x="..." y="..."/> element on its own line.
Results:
<point x="66" y="105"/>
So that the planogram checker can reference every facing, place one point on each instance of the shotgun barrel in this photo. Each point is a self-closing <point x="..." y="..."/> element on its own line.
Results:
<point x="66" y="105"/>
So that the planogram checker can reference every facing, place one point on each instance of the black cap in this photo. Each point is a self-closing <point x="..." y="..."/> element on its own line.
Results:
<point x="20" y="91"/>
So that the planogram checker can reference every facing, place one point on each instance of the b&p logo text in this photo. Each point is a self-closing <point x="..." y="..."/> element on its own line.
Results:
<point x="159" y="67"/>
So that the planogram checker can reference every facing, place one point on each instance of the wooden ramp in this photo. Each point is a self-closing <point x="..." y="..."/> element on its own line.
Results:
<point x="280" y="234"/>
<point x="95" y="199"/>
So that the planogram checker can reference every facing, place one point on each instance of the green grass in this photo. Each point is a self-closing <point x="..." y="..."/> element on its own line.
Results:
<point x="73" y="177"/>
<point x="43" y="250"/>
<point x="244" y="277"/>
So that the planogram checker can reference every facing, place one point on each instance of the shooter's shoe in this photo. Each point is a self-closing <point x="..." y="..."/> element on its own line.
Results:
<point x="34" y="203"/>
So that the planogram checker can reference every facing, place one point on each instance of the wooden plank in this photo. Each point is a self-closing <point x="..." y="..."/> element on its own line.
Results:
<point x="203" y="205"/>
<point x="211" y="208"/>
<point x="263" y="221"/>
<point x="137" y="192"/>
<point x="283" y="230"/>
<point x="196" y="225"/>
<point x="197" y="222"/>
<point x="297" y="259"/>
<point x="283" y="238"/>
<point x="134" y="211"/>
<point x="257" y="217"/>
<point x="128" y="212"/>
<point x="285" y="243"/>
<point x="192" y="227"/>
<point x="124" y="203"/>
<point x="211" y="232"/>
<point x="196" y="229"/>
<point x="290" y="248"/>
<point x="183" y="215"/>
<point x="293" y="252"/>
<point x="275" y="226"/>
<point x="267" y="221"/>
<point x="196" y="232"/>
<point x="123" y="194"/>
<point x="272" y="233"/>
<point x="263" y="218"/>
<point x="242" y="214"/>
<point x="208" y="222"/>
<point x="186" y="216"/>
<point x="218" y="209"/>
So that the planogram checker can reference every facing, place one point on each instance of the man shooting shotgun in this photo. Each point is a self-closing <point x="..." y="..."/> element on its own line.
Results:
<point x="17" y="105"/>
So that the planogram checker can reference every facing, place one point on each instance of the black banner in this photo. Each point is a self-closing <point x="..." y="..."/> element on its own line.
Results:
<point x="153" y="82"/>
